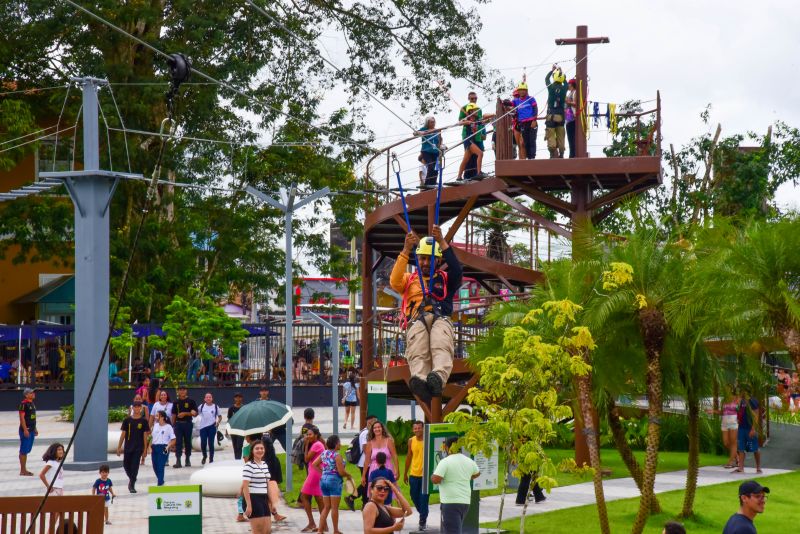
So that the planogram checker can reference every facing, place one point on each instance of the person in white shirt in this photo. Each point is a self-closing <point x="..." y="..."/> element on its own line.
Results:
<point x="52" y="457"/>
<point x="260" y="492"/>
<point x="210" y="418"/>
<point x="162" y="404"/>
<point x="163" y="441"/>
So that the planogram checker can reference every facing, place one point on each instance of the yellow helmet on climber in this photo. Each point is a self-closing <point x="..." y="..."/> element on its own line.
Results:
<point x="428" y="245"/>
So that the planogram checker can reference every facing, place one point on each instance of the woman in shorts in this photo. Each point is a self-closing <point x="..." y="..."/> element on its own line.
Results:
<point x="257" y="485"/>
<point x="730" y="425"/>
<point x="350" y="400"/>
<point x="331" y="483"/>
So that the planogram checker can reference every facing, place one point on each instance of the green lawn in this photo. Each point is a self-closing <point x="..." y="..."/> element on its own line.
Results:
<point x="713" y="504"/>
<point x="667" y="461"/>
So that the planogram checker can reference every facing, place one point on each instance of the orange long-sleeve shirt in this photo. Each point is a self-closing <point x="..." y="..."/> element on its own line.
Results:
<point x="443" y="285"/>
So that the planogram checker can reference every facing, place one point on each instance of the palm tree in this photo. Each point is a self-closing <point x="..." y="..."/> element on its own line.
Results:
<point x="639" y="300"/>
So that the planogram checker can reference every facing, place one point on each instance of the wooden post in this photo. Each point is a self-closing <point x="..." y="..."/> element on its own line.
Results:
<point x="366" y="326"/>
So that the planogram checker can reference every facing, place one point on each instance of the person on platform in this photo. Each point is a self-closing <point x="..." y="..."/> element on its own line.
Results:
<point x="133" y="446"/>
<point x="429" y="153"/>
<point x="430" y="339"/>
<point x="752" y="500"/>
<point x="413" y="473"/>
<point x="571" y="114"/>
<point x="183" y="410"/>
<point x="526" y="111"/>
<point x="472" y="134"/>
<point x="27" y="429"/>
<point x="163" y="441"/>
<point x="554" y="121"/>
<point x="379" y="518"/>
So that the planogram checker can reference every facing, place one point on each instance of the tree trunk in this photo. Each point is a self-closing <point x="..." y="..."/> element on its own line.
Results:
<point x="503" y="489"/>
<point x="653" y="328"/>
<point x="694" y="452"/>
<point x="626" y="453"/>
<point x="585" y="399"/>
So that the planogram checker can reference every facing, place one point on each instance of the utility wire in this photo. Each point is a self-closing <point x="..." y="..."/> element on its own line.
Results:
<point x="323" y="58"/>
<point x="224" y="84"/>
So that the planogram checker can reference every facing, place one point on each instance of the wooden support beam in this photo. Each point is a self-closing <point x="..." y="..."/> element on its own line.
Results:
<point x="457" y="399"/>
<point x="487" y="287"/>
<point x="538" y="217"/>
<point x="564" y="208"/>
<point x="460" y="218"/>
<point x="506" y="283"/>
<point x="617" y="194"/>
<point x="598" y="216"/>
<point x="399" y="220"/>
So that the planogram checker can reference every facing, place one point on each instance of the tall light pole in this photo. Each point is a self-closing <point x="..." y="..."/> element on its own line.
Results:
<point x="289" y="208"/>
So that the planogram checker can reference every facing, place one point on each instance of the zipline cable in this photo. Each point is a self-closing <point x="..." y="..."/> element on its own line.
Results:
<point x="224" y="84"/>
<point x="336" y="68"/>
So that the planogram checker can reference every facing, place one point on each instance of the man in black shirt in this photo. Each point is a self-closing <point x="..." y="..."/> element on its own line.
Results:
<point x="135" y="430"/>
<point x="183" y="409"/>
<point x="27" y="429"/>
<point x="236" y="441"/>
<point x="752" y="499"/>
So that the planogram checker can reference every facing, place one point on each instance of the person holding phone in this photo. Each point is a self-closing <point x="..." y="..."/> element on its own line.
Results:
<point x="379" y="518"/>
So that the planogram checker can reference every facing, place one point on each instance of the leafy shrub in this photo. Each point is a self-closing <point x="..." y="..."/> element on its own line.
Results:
<point x="401" y="430"/>
<point x="116" y="414"/>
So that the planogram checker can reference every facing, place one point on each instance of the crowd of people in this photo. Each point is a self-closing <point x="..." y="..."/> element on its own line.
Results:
<point x="559" y="120"/>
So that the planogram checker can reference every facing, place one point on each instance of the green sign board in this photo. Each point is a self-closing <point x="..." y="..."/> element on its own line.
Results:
<point x="434" y="450"/>
<point x="173" y="508"/>
<point x="377" y="400"/>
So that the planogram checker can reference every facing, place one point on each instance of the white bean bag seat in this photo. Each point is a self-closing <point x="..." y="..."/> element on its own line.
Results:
<point x="220" y="479"/>
<point x="217" y="445"/>
<point x="113" y="440"/>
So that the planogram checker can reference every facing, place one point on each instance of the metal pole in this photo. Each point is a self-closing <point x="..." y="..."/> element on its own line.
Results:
<point x="335" y="380"/>
<point x="19" y="354"/>
<point x="288" y="351"/>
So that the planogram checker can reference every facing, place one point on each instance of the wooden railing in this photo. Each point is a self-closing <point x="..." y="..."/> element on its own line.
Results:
<point x="73" y="514"/>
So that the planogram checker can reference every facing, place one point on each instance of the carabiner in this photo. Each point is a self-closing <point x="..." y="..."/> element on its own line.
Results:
<point x="395" y="163"/>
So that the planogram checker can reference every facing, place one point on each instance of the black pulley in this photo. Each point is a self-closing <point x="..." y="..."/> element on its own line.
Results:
<point x="180" y="68"/>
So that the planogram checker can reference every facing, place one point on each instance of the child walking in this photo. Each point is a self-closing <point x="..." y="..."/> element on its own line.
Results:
<point x="383" y="472"/>
<point x="52" y="457"/>
<point x="103" y="486"/>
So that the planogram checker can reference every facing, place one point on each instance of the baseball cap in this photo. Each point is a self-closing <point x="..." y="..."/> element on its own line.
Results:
<point x="27" y="391"/>
<point x="751" y="486"/>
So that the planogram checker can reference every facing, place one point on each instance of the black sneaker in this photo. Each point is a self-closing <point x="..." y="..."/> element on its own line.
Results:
<point x="419" y="388"/>
<point x="422" y="526"/>
<point x="435" y="384"/>
<point x="177" y="465"/>
<point x="351" y="502"/>
<point x="202" y="462"/>
<point x="188" y="463"/>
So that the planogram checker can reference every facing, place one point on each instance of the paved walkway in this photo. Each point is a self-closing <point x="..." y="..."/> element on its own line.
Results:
<point x="128" y="511"/>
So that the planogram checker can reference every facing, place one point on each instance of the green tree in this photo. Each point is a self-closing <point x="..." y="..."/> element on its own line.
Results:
<point x="197" y="323"/>
<point x="218" y="240"/>
<point x="515" y="403"/>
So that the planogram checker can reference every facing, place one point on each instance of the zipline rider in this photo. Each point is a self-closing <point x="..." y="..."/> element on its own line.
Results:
<point x="426" y="312"/>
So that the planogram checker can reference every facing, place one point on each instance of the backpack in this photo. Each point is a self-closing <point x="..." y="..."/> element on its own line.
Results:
<point x="298" y="452"/>
<point x="353" y="454"/>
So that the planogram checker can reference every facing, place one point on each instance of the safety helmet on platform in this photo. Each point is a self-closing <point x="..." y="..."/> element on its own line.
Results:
<point x="471" y="107"/>
<point x="558" y="76"/>
<point x="522" y="86"/>
<point x="427" y="246"/>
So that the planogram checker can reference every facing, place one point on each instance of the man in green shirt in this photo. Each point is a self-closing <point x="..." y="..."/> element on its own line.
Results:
<point x="454" y="475"/>
<point x="554" y="120"/>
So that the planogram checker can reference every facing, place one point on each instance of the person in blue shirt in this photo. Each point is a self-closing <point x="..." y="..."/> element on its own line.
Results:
<point x="429" y="153"/>
<point x="747" y="433"/>
<point x="383" y="472"/>
<point x="526" y="110"/>
<point x="113" y="373"/>
<point x="104" y="487"/>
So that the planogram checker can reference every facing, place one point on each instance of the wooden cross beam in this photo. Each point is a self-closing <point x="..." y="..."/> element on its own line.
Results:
<point x="581" y="42"/>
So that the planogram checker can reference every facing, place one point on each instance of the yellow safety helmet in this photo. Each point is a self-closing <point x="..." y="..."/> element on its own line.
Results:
<point x="428" y="245"/>
<point x="559" y="77"/>
<point x="522" y="86"/>
<point x="470" y="107"/>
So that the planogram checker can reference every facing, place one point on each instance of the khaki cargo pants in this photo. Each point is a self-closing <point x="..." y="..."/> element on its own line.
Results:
<point x="555" y="135"/>
<point x="438" y="355"/>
